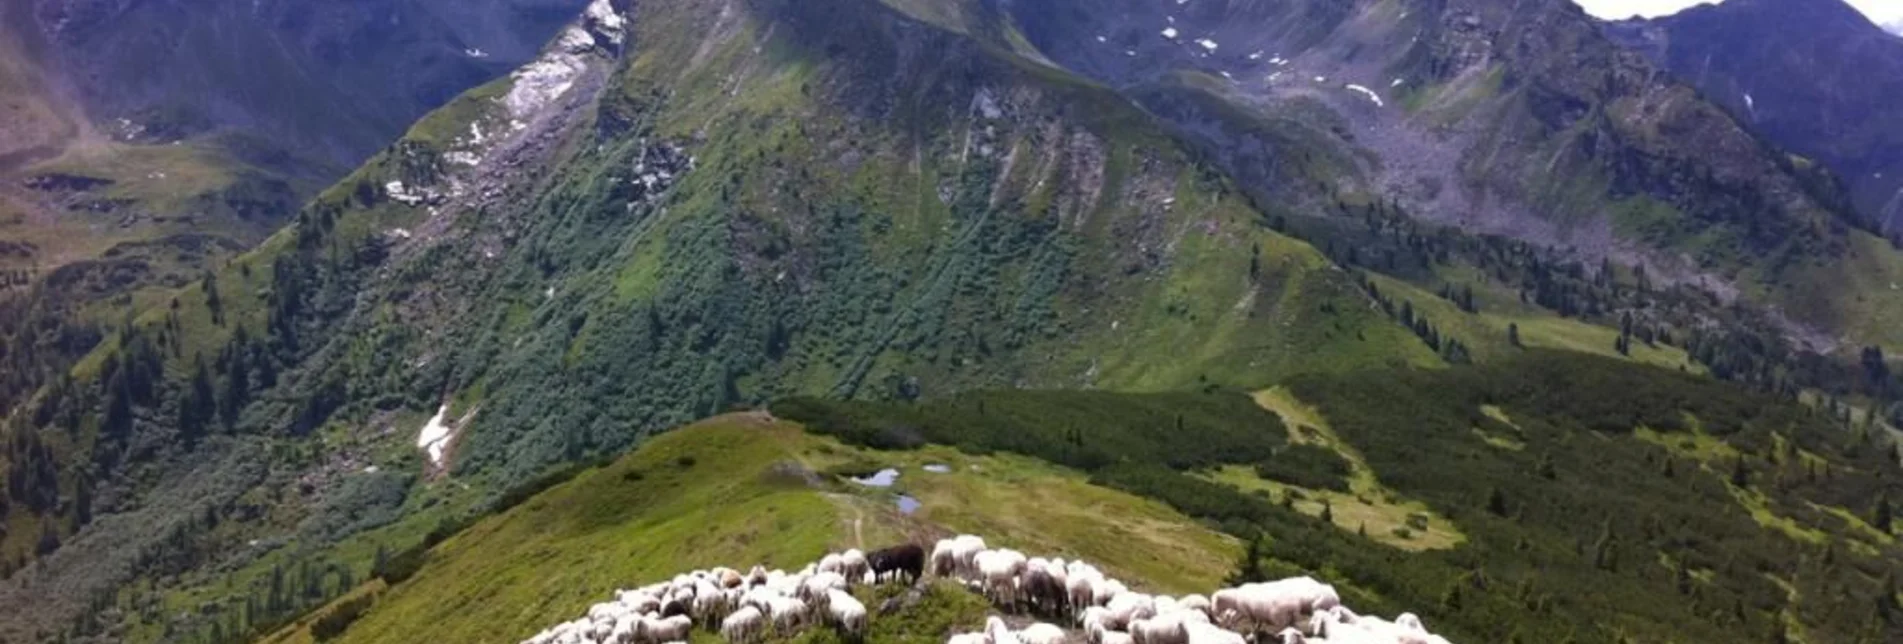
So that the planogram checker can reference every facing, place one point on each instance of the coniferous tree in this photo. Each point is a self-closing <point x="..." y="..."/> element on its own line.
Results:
<point x="1881" y="514"/>
<point x="1249" y="567"/>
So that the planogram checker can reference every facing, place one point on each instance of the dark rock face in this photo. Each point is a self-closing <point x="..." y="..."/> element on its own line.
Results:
<point x="1814" y="76"/>
<point x="332" y="81"/>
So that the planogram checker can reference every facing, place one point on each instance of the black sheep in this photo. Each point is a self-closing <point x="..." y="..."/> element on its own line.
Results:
<point x="907" y="560"/>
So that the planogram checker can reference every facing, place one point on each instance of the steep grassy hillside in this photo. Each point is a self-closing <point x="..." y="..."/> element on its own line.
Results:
<point x="744" y="489"/>
<point x="757" y="200"/>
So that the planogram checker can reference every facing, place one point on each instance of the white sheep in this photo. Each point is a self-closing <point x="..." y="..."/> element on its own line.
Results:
<point x="1126" y="608"/>
<point x="1196" y="603"/>
<point x="1041" y="633"/>
<point x="788" y="614"/>
<point x="854" y="566"/>
<point x="1092" y="617"/>
<point x="667" y="629"/>
<point x="814" y="588"/>
<point x="1410" y="621"/>
<point x="1201" y="632"/>
<point x="847" y="613"/>
<point x="1106" y="589"/>
<point x="1115" y="637"/>
<point x="999" y="570"/>
<point x="1158" y="630"/>
<point x="997" y="633"/>
<point x="743" y="625"/>
<point x="956" y="557"/>
<point x="1081" y="587"/>
<point x="829" y="563"/>
<point x="968" y="638"/>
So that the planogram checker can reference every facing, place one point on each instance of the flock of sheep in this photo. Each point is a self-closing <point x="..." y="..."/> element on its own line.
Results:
<point x="748" y="607"/>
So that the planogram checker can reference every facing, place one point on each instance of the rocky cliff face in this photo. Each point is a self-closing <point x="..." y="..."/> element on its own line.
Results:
<point x="329" y="81"/>
<point x="1814" y="76"/>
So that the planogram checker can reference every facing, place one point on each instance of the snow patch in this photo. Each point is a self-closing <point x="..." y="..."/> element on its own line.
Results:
<point x="435" y="436"/>
<point x="1369" y="93"/>
<point x="609" y="24"/>
<point x="548" y="77"/>
<point x="462" y="157"/>
<point x="1749" y="103"/>
<point x="473" y="52"/>
<point x="1170" y="33"/>
<point x="1208" y="44"/>
<point x="1102" y="39"/>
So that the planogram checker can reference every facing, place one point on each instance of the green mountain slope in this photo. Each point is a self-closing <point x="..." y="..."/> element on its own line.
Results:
<point x="742" y="489"/>
<point x="1518" y="119"/>
<point x="1594" y="500"/>
<point x="756" y="201"/>
<point x="1643" y="504"/>
<point x="694" y="207"/>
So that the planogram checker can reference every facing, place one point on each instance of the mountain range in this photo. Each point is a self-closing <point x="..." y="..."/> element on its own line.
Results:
<point x="1504" y="234"/>
<point x="1816" y="77"/>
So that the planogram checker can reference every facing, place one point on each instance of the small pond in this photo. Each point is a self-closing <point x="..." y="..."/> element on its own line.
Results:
<point x="882" y="478"/>
<point x="907" y="504"/>
<point x="938" y="468"/>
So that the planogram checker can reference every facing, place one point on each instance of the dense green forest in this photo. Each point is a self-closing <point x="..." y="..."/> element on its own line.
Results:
<point x="1698" y="510"/>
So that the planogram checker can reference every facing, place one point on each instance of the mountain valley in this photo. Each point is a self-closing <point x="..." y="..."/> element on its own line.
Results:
<point x="1464" y="306"/>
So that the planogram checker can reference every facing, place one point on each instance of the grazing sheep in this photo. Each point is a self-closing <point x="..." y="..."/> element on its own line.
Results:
<point x="1041" y="633"/>
<point x="1042" y="590"/>
<point x="710" y="606"/>
<point x="666" y="629"/>
<point x="743" y="625"/>
<point x="788" y="614"/>
<point x="1106" y="589"/>
<point x="1196" y="603"/>
<point x="814" y="589"/>
<point x="1158" y="630"/>
<point x="1126" y="608"/>
<point x="1291" y="636"/>
<point x="729" y="578"/>
<point x="848" y="615"/>
<point x="676" y="606"/>
<point x="854" y="566"/>
<point x="997" y="633"/>
<point x="998" y="571"/>
<point x="1114" y="637"/>
<point x="1081" y="588"/>
<point x="954" y="557"/>
<point x="1092" y="617"/>
<point x="1201" y="632"/>
<point x="968" y="638"/>
<point x="904" y="561"/>
<point x="1410" y="621"/>
<point x="757" y="576"/>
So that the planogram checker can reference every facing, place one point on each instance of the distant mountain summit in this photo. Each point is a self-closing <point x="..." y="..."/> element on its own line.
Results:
<point x="1814" y="76"/>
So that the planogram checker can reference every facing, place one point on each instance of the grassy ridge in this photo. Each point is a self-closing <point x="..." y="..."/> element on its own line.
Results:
<point x="741" y="488"/>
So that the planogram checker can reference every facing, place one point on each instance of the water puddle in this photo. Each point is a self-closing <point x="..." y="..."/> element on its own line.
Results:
<point x="882" y="478"/>
<point x="908" y="505"/>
